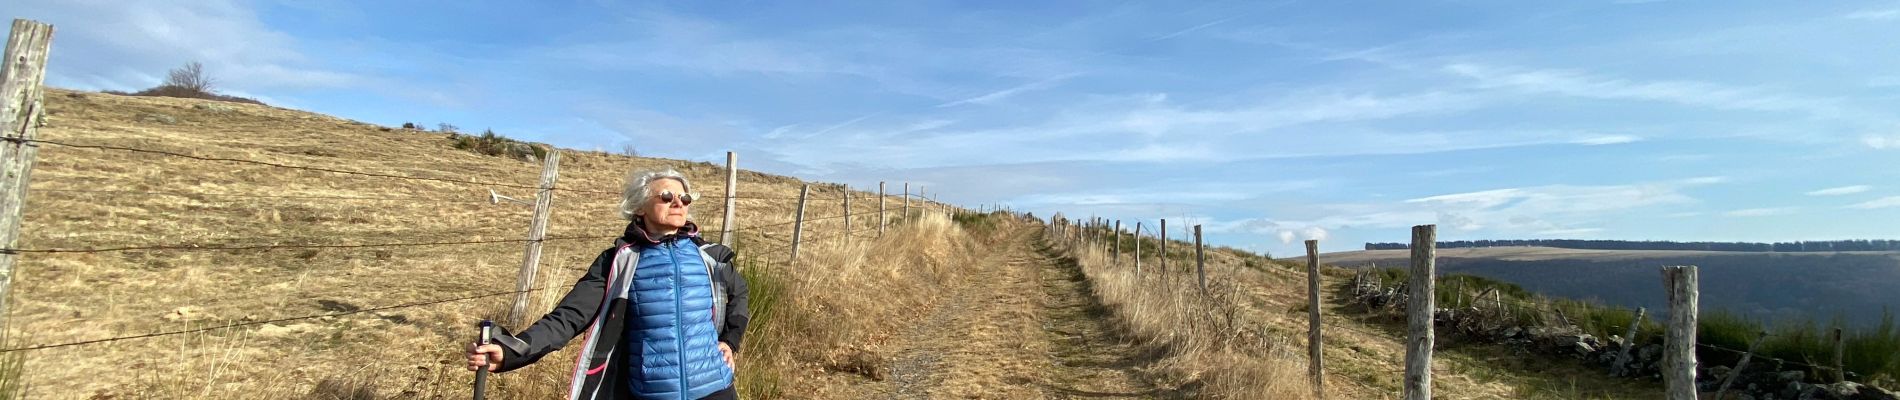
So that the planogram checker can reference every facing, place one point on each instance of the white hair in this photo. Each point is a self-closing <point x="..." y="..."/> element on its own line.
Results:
<point x="639" y="191"/>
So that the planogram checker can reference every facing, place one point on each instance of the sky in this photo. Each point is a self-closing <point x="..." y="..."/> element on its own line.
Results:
<point x="1267" y="123"/>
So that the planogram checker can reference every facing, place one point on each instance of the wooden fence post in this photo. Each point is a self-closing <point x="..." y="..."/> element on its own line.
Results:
<point x="1629" y="341"/>
<point x="880" y="209"/>
<point x="732" y="201"/>
<point x="1164" y="251"/>
<point x="847" y="215"/>
<point x="1315" y="357"/>
<point x="1420" y="304"/>
<point x="1679" y="346"/>
<point x="537" y="230"/>
<point x="1118" y="241"/>
<point x="906" y="202"/>
<point x="21" y="113"/>
<point x="1840" y="372"/>
<point x="1739" y="365"/>
<point x="1137" y="250"/>
<point x="798" y="221"/>
<point x="1200" y="260"/>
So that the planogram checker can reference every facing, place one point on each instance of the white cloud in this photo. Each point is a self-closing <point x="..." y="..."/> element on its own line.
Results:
<point x="1880" y="142"/>
<point x="1705" y="180"/>
<point x="1287" y="236"/>
<point x="1837" y="191"/>
<point x="130" y="45"/>
<point x="1607" y="139"/>
<point x="1760" y="212"/>
<point x="1314" y="233"/>
<point x="1884" y="202"/>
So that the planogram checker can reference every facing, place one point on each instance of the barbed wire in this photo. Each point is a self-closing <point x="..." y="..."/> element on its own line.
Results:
<point x="272" y="164"/>
<point x="268" y="247"/>
<point x="270" y="321"/>
<point x="1540" y="306"/>
<point x="240" y="195"/>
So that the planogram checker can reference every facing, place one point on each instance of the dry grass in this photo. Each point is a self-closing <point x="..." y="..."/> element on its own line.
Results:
<point x="402" y="353"/>
<point x="1219" y="341"/>
<point x="843" y="301"/>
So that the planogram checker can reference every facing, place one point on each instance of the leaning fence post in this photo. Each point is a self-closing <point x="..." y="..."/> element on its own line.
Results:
<point x="1314" y="356"/>
<point x="22" y="73"/>
<point x="732" y="202"/>
<point x="1419" y="309"/>
<point x="1200" y="260"/>
<point x="1164" y="251"/>
<point x="1739" y="365"/>
<point x="1679" y="346"/>
<point x="1629" y="340"/>
<point x="1118" y="241"/>
<point x="798" y="221"/>
<point x="537" y="230"/>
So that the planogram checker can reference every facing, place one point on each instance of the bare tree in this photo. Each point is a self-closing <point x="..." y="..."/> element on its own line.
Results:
<point x="191" y="76"/>
<point x="445" y="127"/>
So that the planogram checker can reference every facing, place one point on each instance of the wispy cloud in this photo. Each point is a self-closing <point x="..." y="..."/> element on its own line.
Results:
<point x="1837" y="191"/>
<point x="1191" y="29"/>
<point x="1761" y="212"/>
<point x="992" y="97"/>
<point x="1569" y="231"/>
<point x="1607" y="139"/>
<point x="1877" y="14"/>
<point x="1584" y="85"/>
<point x="1884" y="202"/>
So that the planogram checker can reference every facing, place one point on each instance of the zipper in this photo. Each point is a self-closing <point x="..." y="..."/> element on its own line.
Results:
<point x="679" y="306"/>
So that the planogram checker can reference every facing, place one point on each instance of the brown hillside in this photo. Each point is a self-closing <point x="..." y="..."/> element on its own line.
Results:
<point x="84" y="198"/>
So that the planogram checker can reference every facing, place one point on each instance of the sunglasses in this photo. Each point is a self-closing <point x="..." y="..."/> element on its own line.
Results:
<point x="667" y="196"/>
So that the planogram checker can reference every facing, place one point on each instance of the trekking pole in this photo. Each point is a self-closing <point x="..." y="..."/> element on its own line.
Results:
<point x="481" y="374"/>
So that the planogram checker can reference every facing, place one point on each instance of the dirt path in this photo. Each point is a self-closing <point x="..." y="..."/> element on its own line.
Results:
<point x="1027" y="327"/>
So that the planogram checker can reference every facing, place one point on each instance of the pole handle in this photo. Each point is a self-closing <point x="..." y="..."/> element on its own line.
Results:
<point x="481" y="374"/>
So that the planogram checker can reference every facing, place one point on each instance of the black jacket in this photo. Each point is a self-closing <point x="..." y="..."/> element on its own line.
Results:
<point x="575" y="313"/>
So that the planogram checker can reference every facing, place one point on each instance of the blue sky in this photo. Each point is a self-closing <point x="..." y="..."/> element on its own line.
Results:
<point x="1266" y="122"/>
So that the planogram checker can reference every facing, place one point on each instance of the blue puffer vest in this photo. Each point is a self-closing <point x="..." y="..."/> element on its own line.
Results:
<point x="671" y="324"/>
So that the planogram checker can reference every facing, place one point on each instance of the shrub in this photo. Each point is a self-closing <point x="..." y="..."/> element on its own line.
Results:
<point x="492" y="144"/>
<point x="188" y="81"/>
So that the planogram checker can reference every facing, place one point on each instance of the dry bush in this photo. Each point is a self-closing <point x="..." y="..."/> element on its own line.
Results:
<point x="1212" y="340"/>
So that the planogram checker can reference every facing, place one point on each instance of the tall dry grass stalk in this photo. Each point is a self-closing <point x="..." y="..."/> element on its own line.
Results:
<point x="1212" y="339"/>
<point x="841" y="297"/>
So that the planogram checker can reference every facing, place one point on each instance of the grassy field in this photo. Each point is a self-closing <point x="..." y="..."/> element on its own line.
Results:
<point x="89" y="198"/>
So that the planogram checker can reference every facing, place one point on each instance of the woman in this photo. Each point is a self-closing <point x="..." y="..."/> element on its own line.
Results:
<point x="664" y="316"/>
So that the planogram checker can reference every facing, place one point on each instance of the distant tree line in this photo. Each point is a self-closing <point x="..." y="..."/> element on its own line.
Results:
<point x="1805" y="246"/>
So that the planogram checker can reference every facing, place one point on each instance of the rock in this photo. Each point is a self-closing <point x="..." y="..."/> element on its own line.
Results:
<point x="274" y="330"/>
<point x="1583" y="349"/>
<point x="212" y="107"/>
<point x="1720" y="371"/>
<point x="1791" y="376"/>
<point x="186" y="313"/>
<point x="1649" y="354"/>
<point x="1842" y="389"/>
<point x="157" y="118"/>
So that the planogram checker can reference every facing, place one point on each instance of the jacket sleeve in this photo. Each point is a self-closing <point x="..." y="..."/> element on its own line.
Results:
<point x="561" y="325"/>
<point x="738" y="306"/>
